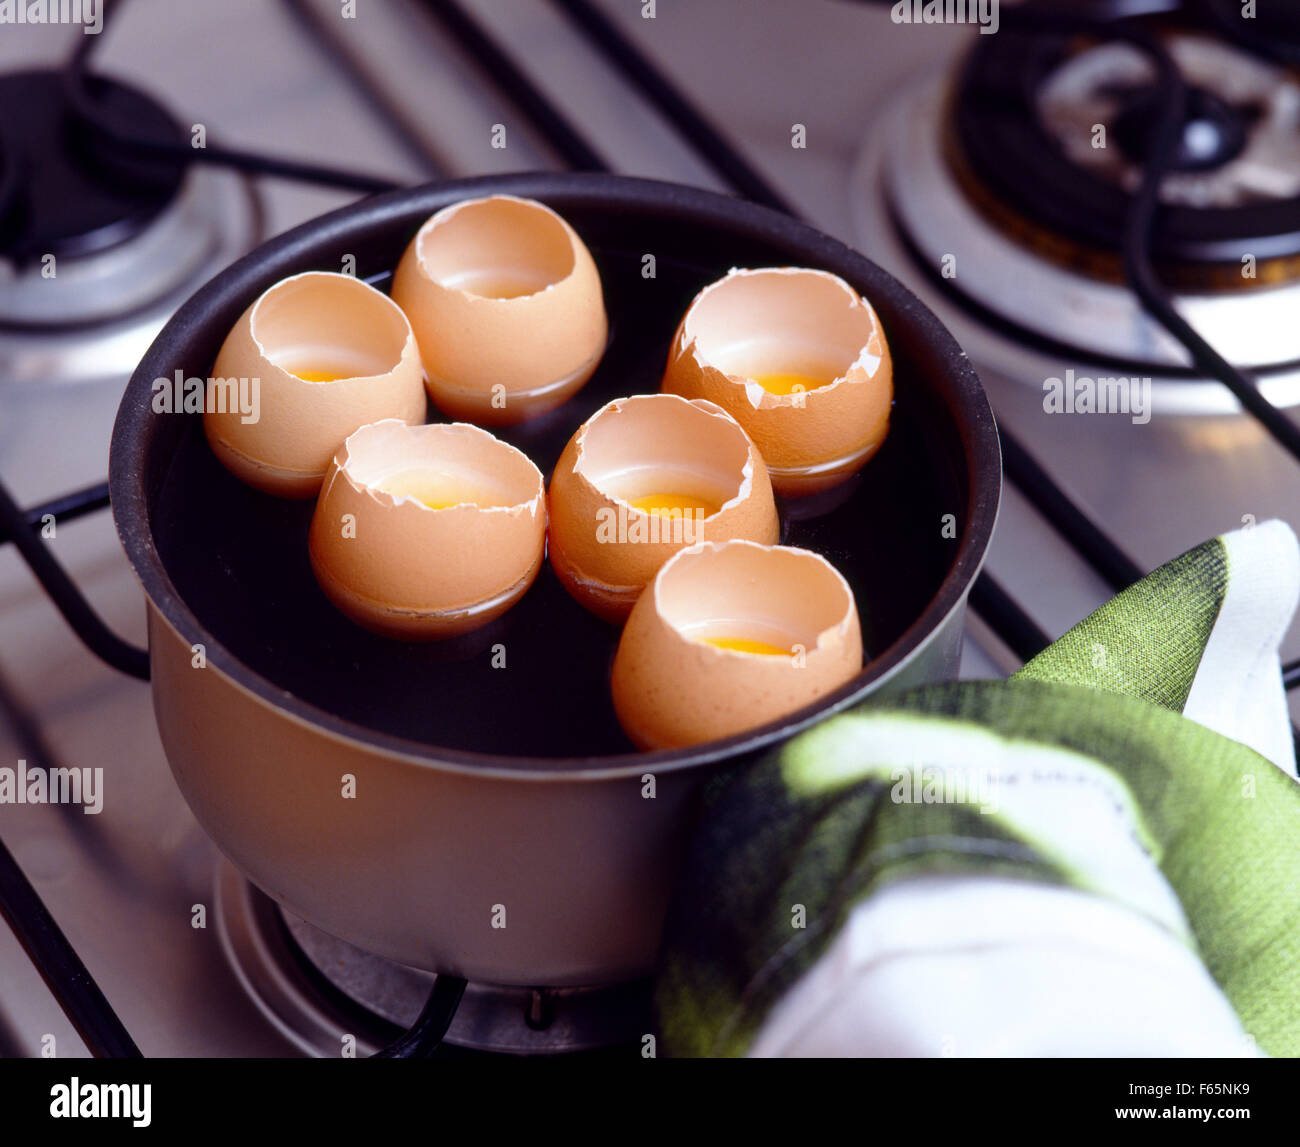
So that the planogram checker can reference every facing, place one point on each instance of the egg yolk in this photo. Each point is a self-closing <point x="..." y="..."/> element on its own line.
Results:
<point x="317" y="372"/>
<point x="436" y="490"/>
<point x="790" y="383"/>
<point x="666" y="503"/>
<point x="311" y="375"/>
<point x="746" y="645"/>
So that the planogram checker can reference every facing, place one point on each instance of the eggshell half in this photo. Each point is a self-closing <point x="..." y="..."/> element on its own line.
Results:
<point x="403" y="569"/>
<point x="536" y="348"/>
<point x="789" y="319"/>
<point x="672" y="690"/>
<point x="603" y="549"/>
<point x="315" y="320"/>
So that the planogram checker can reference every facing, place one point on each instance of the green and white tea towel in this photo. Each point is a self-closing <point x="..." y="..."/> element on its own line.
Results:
<point x="1099" y="856"/>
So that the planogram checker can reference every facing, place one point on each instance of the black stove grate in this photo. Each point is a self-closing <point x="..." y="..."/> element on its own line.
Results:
<point x="51" y="953"/>
<point x="68" y="979"/>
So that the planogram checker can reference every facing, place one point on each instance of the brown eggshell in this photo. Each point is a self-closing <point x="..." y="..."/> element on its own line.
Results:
<point x="313" y="320"/>
<point x="400" y="568"/>
<point x="789" y="319"/>
<point x="672" y="691"/>
<point x="539" y="348"/>
<point x="604" y="550"/>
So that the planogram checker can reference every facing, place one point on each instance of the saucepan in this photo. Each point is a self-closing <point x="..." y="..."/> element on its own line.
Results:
<point x="471" y="806"/>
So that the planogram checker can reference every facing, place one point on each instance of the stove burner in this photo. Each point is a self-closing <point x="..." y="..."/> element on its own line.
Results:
<point x="1214" y="132"/>
<point x="70" y="192"/>
<point x="1021" y="311"/>
<point x="98" y="245"/>
<point x="318" y="989"/>
<point x="1025" y="145"/>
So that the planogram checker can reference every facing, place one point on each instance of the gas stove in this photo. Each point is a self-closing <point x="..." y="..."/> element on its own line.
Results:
<point x="1016" y="180"/>
<point x="962" y="163"/>
<point x="95" y="263"/>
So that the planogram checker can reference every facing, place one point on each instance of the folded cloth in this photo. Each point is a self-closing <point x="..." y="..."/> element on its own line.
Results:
<point x="1097" y="856"/>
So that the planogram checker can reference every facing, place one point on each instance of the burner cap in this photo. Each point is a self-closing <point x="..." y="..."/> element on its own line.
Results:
<point x="317" y="989"/>
<point x="1214" y="132"/>
<point x="64" y="188"/>
<point x="1025" y="118"/>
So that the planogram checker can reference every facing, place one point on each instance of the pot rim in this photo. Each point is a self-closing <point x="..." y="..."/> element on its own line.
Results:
<point x="243" y="280"/>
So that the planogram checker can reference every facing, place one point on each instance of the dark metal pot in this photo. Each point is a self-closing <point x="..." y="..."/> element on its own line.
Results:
<point x="486" y="796"/>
